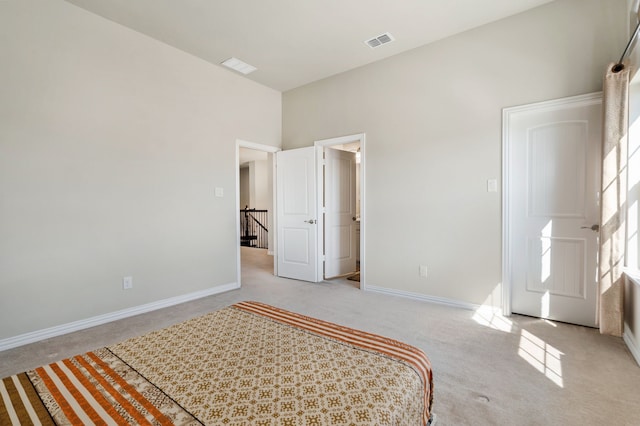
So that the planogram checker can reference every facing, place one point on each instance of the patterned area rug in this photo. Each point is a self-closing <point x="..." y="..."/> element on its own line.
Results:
<point x="249" y="363"/>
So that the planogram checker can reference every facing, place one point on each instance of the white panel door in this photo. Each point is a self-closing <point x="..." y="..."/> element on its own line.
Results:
<point x="340" y="212"/>
<point x="297" y="214"/>
<point x="554" y="175"/>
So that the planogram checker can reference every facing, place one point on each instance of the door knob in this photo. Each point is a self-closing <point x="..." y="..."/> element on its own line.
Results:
<point x="594" y="227"/>
<point x="311" y="221"/>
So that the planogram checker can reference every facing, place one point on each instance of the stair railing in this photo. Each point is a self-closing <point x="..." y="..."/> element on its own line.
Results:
<point x="254" y="231"/>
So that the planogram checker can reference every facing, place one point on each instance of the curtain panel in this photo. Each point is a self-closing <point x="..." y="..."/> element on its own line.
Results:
<point x="613" y="200"/>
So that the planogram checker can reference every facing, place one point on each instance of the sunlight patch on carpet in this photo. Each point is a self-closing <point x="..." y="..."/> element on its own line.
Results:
<point x="541" y="356"/>
<point x="492" y="317"/>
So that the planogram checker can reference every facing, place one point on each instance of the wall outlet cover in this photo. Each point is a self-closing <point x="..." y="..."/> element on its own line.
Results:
<point x="423" y="271"/>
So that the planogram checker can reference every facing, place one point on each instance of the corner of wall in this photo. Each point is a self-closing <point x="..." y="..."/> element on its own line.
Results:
<point x="632" y="343"/>
<point x="632" y="313"/>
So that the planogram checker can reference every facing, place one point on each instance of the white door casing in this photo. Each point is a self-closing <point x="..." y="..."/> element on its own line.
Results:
<point x="296" y="211"/>
<point x="551" y="186"/>
<point x="339" y="212"/>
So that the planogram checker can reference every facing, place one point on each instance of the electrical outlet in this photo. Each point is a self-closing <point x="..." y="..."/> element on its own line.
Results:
<point x="127" y="283"/>
<point x="422" y="271"/>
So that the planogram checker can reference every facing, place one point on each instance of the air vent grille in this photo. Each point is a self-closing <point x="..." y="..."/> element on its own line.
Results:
<point x="379" y="40"/>
<point x="238" y="65"/>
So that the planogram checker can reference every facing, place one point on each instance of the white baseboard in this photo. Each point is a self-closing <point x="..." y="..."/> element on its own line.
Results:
<point x="633" y="346"/>
<point x="424" y="297"/>
<point x="34" y="336"/>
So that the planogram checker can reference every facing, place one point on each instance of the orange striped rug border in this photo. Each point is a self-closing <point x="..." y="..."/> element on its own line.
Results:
<point x="20" y="403"/>
<point x="137" y="396"/>
<point x="395" y="349"/>
<point x="115" y="394"/>
<point x="84" y="389"/>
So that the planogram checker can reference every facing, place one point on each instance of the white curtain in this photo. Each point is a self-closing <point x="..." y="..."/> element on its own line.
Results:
<point x="613" y="200"/>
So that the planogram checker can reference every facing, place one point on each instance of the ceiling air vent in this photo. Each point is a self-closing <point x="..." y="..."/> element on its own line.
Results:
<point x="237" y="65"/>
<point x="379" y="40"/>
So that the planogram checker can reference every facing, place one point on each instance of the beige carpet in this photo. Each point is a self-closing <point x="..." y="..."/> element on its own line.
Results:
<point x="487" y="370"/>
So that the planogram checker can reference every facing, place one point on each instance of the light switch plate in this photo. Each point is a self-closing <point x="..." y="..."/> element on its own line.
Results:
<point x="219" y="192"/>
<point x="492" y="185"/>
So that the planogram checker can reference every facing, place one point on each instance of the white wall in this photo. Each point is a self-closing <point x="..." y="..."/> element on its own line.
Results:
<point x="255" y="185"/>
<point x="245" y="187"/>
<point x="259" y="182"/>
<point x="632" y="315"/>
<point x="111" y="145"/>
<point x="432" y="117"/>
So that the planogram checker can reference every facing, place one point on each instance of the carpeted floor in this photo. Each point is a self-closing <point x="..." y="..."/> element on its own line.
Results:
<point x="488" y="370"/>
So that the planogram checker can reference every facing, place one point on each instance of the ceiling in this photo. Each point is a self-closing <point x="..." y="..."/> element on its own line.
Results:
<point x="295" y="42"/>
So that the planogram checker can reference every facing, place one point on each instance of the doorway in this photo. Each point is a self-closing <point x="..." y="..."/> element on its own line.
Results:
<point x="255" y="224"/>
<point x="341" y="212"/>
<point x="354" y="144"/>
<point x="300" y="196"/>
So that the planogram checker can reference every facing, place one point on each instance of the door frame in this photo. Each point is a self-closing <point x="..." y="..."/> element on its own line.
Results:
<point x="320" y="145"/>
<point x="268" y="149"/>
<point x="507" y="113"/>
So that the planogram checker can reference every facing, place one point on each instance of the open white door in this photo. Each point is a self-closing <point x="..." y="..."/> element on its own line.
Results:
<point x="553" y="172"/>
<point x="297" y="214"/>
<point x="340" y="212"/>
